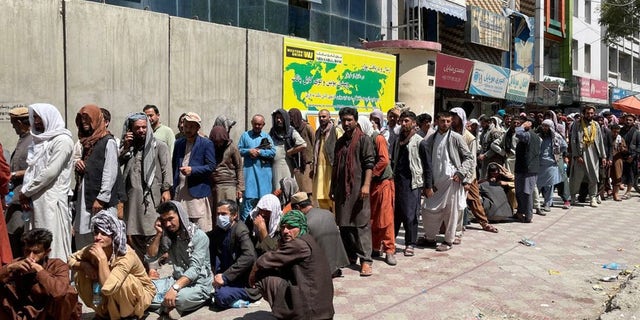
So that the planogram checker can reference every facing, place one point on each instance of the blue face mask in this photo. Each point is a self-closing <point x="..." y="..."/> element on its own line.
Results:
<point x="223" y="222"/>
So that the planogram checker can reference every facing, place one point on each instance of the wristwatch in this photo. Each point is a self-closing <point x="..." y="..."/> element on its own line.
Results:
<point x="176" y="287"/>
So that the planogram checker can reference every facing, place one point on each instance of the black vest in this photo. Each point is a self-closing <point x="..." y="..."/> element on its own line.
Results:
<point x="93" y="176"/>
<point x="528" y="155"/>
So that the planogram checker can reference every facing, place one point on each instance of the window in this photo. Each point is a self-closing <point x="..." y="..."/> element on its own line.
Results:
<point x="339" y="31"/>
<point x="320" y="27"/>
<point x="587" y="11"/>
<point x="298" y="18"/>
<point x="224" y="12"/>
<point x="574" y="54"/>
<point x="636" y="71"/>
<point x="575" y="8"/>
<point x="374" y="8"/>
<point x="625" y="67"/>
<point x="251" y="14"/>
<point x="356" y="10"/>
<point x="552" y="59"/>
<point x="554" y="8"/>
<point x="613" y="60"/>
<point x="587" y="58"/>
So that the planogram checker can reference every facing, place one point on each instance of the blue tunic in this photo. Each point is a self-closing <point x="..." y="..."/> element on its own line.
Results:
<point x="549" y="174"/>
<point x="257" y="172"/>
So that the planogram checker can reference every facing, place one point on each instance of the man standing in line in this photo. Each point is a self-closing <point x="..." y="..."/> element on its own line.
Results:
<point x="305" y="158"/>
<point x="382" y="197"/>
<point x="323" y="152"/>
<point x="424" y="125"/>
<point x="350" y="185"/>
<point x="160" y="131"/>
<point x="147" y="178"/>
<point x="587" y="153"/>
<point x="489" y="142"/>
<point x="393" y="127"/>
<point x="45" y="188"/>
<point x="18" y="163"/>
<point x="98" y="178"/>
<point x="408" y="180"/>
<point x="257" y="150"/>
<point x="507" y="146"/>
<point x="194" y="160"/>
<point x="289" y="147"/>
<point x="474" y="200"/>
<point x="447" y="165"/>
<point x="526" y="169"/>
<point x="631" y="137"/>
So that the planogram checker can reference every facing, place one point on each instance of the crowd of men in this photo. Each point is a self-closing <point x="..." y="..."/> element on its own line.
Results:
<point x="278" y="214"/>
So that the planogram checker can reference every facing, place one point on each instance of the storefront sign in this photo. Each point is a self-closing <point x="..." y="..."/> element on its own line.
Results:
<point x="518" y="87"/>
<point x="593" y="91"/>
<point x="544" y="93"/>
<point x="619" y="93"/>
<point x="318" y="76"/>
<point x="489" y="80"/>
<point x="452" y="72"/>
<point x="599" y="89"/>
<point x="488" y="29"/>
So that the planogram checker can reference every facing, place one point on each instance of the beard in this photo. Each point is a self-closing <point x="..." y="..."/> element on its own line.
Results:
<point x="86" y="133"/>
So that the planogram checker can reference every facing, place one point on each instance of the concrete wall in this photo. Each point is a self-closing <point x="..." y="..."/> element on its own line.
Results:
<point x="32" y="59"/>
<point x="207" y="72"/>
<point x="117" y="58"/>
<point x="264" y="80"/>
<point x="122" y="59"/>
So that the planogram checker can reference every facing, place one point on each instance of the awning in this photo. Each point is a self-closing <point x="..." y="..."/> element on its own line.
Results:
<point x="455" y="8"/>
<point x="508" y="12"/>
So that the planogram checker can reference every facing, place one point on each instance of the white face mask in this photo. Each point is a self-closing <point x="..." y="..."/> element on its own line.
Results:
<point x="223" y="222"/>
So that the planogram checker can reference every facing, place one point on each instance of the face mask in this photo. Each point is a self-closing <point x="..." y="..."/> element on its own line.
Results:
<point x="223" y="222"/>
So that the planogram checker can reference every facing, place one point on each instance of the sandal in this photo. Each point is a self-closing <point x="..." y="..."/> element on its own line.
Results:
<point x="408" y="252"/>
<point x="444" y="247"/>
<point x="624" y="197"/>
<point x="424" y="242"/>
<point x="489" y="228"/>
<point x="457" y="240"/>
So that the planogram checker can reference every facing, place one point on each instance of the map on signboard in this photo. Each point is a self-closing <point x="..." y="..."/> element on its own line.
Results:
<point x="319" y="76"/>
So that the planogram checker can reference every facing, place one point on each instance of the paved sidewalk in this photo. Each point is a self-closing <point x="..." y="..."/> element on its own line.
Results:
<point x="492" y="276"/>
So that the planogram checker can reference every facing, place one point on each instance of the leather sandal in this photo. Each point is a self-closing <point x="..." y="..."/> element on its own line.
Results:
<point x="489" y="228"/>
<point x="408" y="251"/>
<point x="366" y="270"/>
<point x="444" y="247"/>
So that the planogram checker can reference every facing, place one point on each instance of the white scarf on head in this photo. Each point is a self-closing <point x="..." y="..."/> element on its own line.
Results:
<point x="54" y="126"/>
<point x="269" y="202"/>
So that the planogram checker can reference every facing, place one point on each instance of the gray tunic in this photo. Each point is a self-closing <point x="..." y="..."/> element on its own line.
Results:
<point x="140" y="210"/>
<point x="591" y="154"/>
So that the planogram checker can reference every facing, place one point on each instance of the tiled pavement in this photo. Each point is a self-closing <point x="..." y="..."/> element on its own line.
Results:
<point x="492" y="276"/>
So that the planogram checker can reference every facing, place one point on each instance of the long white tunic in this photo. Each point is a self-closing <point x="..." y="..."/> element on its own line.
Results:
<point x="48" y="189"/>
